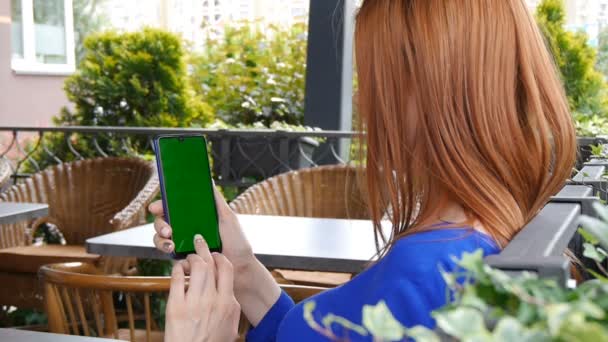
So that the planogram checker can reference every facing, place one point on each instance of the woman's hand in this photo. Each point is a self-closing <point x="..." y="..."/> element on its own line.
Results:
<point x="254" y="287"/>
<point x="207" y="310"/>
<point x="234" y="244"/>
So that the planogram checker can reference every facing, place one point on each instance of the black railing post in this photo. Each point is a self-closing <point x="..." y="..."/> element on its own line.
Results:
<point x="225" y="146"/>
<point x="284" y="153"/>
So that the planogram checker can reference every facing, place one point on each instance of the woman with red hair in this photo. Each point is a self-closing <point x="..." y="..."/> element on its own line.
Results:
<point x="467" y="134"/>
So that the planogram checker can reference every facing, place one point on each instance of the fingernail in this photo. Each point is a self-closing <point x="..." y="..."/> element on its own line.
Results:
<point x="167" y="246"/>
<point x="166" y="232"/>
<point x="215" y="253"/>
<point x="198" y="238"/>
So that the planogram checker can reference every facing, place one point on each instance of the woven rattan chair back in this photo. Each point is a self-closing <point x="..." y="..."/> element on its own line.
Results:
<point x="325" y="192"/>
<point x="86" y="198"/>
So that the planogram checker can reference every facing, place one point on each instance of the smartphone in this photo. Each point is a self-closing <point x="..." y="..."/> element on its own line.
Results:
<point x="187" y="191"/>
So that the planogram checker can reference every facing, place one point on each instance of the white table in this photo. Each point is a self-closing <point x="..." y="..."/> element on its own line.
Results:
<point x="331" y="245"/>
<point x="33" y="336"/>
<point x="14" y="212"/>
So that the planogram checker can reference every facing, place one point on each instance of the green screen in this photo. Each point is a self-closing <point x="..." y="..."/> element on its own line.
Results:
<point x="188" y="193"/>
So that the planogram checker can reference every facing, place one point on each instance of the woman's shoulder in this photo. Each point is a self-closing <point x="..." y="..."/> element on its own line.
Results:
<point x="437" y="248"/>
<point x="444" y="240"/>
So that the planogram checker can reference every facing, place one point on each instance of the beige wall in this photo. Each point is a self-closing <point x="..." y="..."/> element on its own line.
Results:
<point x="25" y="100"/>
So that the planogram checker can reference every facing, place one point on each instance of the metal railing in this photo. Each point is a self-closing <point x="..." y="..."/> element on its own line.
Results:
<point x="243" y="157"/>
<point x="540" y="247"/>
<point x="239" y="157"/>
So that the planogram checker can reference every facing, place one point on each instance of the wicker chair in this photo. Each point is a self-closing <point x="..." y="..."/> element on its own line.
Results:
<point x="326" y="192"/>
<point x="86" y="198"/>
<point x="81" y="300"/>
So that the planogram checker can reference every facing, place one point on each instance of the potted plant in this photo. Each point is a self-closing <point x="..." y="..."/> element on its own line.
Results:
<point x="255" y="157"/>
<point x="591" y="131"/>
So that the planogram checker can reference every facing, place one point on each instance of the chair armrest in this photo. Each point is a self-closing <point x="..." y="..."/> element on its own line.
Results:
<point x="128" y="216"/>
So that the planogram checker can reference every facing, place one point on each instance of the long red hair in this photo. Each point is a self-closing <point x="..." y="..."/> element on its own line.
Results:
<point x="460" y="102"/>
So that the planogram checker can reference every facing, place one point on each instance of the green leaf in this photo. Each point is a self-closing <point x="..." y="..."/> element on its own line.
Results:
<point x="460" y="322"/>
<point x="601" y="210"/>
<point x="449" y="278"/>
<point x="579" y="330"/>
<point x="472" y="262"/>
<point x="591" y="252"/>
<point x="471" y="299"/>
<point x="597" y="228"/>
<point x="590" y="309"/>
<point x="422" y="334"/>
<point x="478" y="337"/>
<point x="557" y="314"/>
<point x="331" y="319"/>
<point x="587" y="236"/>
<point x="381" y="323"/>
<point x="597" y="150"/>
<point x="510" y="329"/>
<point x="600" y="277"/>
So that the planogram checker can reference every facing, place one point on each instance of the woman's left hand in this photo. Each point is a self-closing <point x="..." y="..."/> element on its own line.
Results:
<point x="207" y="310"/>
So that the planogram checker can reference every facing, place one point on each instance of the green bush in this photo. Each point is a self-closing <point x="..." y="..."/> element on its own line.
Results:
<point x="253" y="75"/>
<point x="134" y="79"/>
<point x="575" y="58"/>
<point x="126" y="79"/>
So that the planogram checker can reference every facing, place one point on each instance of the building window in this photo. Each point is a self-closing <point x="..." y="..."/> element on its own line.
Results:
<point x="16" y="29"/>
<point x="42" y="34"/>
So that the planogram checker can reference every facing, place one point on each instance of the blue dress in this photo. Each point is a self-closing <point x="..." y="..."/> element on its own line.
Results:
<point x="407" y="279"/>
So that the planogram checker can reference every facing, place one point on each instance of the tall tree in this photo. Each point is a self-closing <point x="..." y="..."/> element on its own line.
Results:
<point x="575" y="58"/>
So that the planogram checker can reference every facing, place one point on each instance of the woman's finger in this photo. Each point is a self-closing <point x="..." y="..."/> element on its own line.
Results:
<point x="162" y="228"/>
<point x="199" y="271"/>
<point x="165" y="245"/>
<point x="201" y="248"/>
<point x="185" y="266"/>
<point x="156" y="208"/>
<point x="223" y="209"/>
<point x="177" y="289"/>
<point x="224" y="275"/>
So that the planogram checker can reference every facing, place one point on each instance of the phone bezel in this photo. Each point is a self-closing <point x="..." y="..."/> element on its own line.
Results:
<point x="157" y="152"/>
